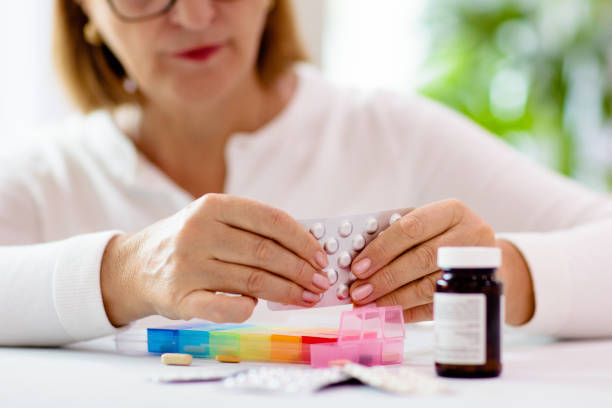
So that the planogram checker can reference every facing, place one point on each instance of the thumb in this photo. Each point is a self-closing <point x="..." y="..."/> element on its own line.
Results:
<point x="217" y="307"/>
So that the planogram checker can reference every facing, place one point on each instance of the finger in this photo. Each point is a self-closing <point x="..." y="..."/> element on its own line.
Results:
<point x="423" y="313"/>
<point x="417" y="293"/>
<point x="245" y="280"/>
<point x="414" y="264"/>
<point x="219" y="308"/>
<point x="412" y="229"/>
<point x="245" y="248"/>
<point x="267" y="221"/>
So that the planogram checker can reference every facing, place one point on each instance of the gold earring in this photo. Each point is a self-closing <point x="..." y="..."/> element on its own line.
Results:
<point x="91" y="34"/>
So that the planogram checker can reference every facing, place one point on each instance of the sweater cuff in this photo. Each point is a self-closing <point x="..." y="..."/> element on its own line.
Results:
<point x="76" y="286"/>
<point x="550" y="274"/>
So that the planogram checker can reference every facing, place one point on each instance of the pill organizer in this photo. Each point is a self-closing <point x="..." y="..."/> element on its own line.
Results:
<point x="343" y="238"/>
<point x="368" y="335"/>
<point x="251" y="343"/>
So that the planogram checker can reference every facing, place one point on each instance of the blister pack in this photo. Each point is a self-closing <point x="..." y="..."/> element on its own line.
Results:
<point x="286" y="380"/>
<point x="343" y="238"/>
<point x="195" y="374"/>
<point x="301" y="381"/>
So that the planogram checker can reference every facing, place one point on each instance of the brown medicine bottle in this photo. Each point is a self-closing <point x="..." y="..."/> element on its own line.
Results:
<point x="468" y="313"/>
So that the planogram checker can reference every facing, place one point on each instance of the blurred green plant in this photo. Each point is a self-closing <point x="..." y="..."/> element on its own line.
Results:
<point x="534" y="72"/>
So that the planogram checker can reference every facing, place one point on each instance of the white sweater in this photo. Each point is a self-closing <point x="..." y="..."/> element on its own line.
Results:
<point x="331" y="152"/>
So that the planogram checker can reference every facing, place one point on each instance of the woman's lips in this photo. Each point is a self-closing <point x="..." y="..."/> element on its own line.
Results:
<point x="199" y="53"/>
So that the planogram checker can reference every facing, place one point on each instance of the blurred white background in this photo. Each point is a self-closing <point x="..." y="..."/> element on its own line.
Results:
<point x="30" y="94"/>
<point x="566" y="125"/>
<point x="355" y="42"/>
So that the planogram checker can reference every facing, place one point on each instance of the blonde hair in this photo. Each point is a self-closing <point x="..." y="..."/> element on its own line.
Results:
<point x="94" y="77"/>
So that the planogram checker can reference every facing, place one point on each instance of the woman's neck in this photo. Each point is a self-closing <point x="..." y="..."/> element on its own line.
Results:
<point x="188" y="144"/>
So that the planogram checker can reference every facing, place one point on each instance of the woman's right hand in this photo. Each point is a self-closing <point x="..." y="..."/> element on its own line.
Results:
<point x="219" y="243"/>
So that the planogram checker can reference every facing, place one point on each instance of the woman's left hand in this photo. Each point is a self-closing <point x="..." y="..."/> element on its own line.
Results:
<point x="400" y="266"/>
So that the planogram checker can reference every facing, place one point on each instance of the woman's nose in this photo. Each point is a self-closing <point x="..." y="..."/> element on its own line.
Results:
<point x="193" y="14"/>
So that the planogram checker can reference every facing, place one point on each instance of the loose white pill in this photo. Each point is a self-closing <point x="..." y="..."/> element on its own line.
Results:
<point x="345" y="229"/>
<point x="343" y="292"/>
<point x="344" y="259"/>
<point x="351" y="278"/>
<point x="371" y="225"/>
<point x="318" y="230"/>
<point x="331" y="246"/>
<point x="176" y="359"/>
<point x="332" y="276"/>
<point x="358" y="242"/>
<point x="394" y="218"/>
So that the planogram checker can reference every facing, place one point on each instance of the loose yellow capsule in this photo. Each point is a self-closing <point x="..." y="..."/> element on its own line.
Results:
<point x="176" y="359"/>
<point x="228" y="359"/>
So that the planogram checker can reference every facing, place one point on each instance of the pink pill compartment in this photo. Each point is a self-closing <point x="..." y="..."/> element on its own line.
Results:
<point x="368" y="335"/>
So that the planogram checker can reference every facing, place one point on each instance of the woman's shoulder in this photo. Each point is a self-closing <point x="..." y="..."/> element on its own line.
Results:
<point x="54" y="151"/>
<point x="401" y="106"/>
<point x="379" y="113"/>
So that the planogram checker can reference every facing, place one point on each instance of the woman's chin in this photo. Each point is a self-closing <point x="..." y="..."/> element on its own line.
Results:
<point x="201" y="93"/>
<point x="201" y="87"/>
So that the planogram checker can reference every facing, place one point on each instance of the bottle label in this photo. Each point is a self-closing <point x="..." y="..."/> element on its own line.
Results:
<point x="460" y="328"/>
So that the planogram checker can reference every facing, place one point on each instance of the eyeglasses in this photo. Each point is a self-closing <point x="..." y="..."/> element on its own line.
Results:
<point x="139" y="10"/>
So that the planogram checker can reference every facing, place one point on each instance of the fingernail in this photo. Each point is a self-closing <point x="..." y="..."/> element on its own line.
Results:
<point x="321" y="281"/>
<point x="321" y="259"/>
<point x="362" y="292"/>
<point x="361" y="267"/>
<point x="310" y="297"/>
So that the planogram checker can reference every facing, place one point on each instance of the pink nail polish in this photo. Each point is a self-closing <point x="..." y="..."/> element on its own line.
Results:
<point x="321" y="281"/>
<point x="321" y="259"/>
<point x="362" y="292"/>
<point x="310" y="297"/>
<point x="361" y="267"/>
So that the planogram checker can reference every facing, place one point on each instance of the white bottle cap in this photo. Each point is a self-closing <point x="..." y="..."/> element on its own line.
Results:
<point x="469" y="257"/>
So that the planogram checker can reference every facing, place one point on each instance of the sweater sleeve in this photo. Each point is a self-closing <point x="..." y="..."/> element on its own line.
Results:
<point x="563" y="230"/>
<point x="571" y="281"/>
<point x="49" y="292"/>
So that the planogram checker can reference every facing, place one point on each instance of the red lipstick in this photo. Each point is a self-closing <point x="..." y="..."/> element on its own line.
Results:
<point x="199" y="53"/>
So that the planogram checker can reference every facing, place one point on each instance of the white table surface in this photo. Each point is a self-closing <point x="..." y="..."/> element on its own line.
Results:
<point x="537" y="372"/>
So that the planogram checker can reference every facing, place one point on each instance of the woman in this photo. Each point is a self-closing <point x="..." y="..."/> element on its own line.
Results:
<point x="113" y="220"/>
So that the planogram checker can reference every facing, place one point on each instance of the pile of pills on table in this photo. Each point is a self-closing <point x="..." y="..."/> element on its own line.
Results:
<point x="343" y="238"/>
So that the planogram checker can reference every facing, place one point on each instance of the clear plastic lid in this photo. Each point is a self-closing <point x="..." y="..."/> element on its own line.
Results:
<point x="469" y="257"/>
